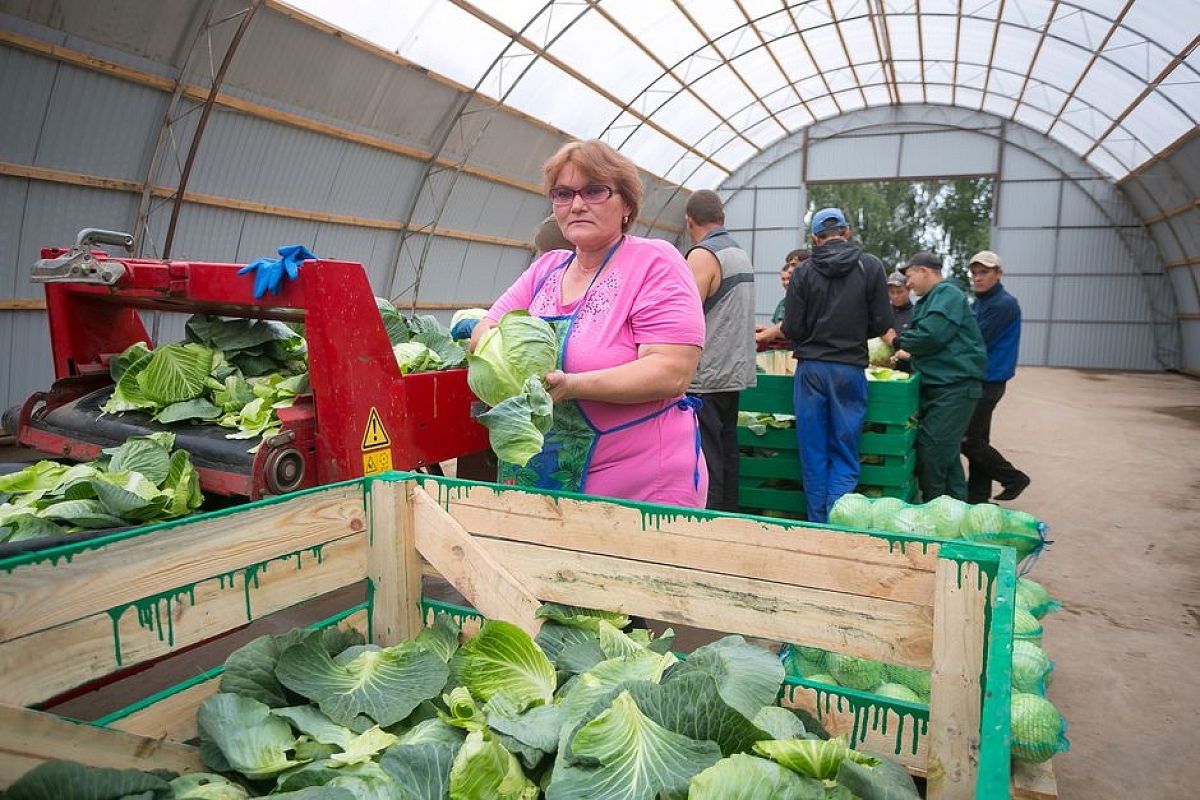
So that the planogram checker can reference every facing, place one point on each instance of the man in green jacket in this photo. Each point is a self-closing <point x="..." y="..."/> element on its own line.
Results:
<point x="948" y="352"/>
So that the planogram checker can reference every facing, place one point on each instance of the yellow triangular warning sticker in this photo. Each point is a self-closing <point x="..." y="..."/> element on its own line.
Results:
<point x="374" y="435"/>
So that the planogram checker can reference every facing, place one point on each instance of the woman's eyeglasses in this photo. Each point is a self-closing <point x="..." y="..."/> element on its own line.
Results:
<point x="591" y="194"/>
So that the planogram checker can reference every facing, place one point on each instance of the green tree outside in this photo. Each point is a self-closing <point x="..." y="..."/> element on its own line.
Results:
<point x="894" y="219"/>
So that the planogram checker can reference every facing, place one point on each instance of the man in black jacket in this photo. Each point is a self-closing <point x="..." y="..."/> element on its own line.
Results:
<point x="836" y="300"/>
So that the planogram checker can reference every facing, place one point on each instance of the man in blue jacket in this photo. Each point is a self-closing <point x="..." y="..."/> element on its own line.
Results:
<point x="999" y="316"/>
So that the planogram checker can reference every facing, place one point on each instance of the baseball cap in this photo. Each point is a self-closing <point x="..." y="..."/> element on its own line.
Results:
<point x="828" y="219"/>
<point x="922" y="258"/>
<point x="896" y="279"/>
<point x="986" y="258"/>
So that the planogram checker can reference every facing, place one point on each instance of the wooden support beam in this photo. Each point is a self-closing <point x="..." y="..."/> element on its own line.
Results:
<point x="955" y="705"/>
<point x="22" y="304"/>
<point x="463" y="561"/>
<point x="115" y="184"/>
<point x="29" y="738"/>
<point x="393" y="565"/>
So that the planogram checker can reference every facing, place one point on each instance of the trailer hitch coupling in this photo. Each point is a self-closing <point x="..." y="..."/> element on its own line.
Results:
<point x="78" y="265"/>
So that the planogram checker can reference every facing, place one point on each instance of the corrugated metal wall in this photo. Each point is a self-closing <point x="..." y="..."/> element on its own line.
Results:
<point x="1090" y="279"/>
<point x="315" y="138"/>
<point x="1166" y="193"/>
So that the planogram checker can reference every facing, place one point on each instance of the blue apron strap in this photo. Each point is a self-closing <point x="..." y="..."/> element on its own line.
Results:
<point x="689" y="402"/>
<point x="694" y="403"/>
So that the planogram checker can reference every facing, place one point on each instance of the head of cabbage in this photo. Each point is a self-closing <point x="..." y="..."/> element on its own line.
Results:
<point x="851" y="511"/>
<point x="506" y="372"/>
<point x="519" y="347"/>
<point x="946" y="513"/>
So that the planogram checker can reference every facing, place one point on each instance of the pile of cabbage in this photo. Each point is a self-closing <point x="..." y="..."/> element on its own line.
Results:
<point x="1038" y="729"/>
<point x="945" y="518"/>
<point x="584" y="711"/>
<point x="237" y="373"/>
<point x="141" y="481"/>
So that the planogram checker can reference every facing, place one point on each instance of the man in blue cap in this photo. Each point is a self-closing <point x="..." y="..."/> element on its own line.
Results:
<point x="836" y="300"/>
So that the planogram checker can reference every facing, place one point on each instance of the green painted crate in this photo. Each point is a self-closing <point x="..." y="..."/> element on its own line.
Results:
<point x="754" y="497"/>
<point x="904" y="393"/>
<point x="787" y="464"/>
<point x="899" y="440"/>
<point x="888" y="402"/>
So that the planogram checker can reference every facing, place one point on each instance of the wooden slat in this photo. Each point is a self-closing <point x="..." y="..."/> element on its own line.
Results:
<point x="877" y="739"/>
<point x="22" y="304"/>
<point x="810" y="557"/>
<point x="461" y="559"/>
<point x="955" y="692"/>
<point x="898" y="633"/>
<point x="29" y="738"/>
<point x="392" y="563"/>
<point x="42" y="595"/>
<point x="174" y="717"/>
<point x="1034" y="781"/>
<point x="41" y="665"/>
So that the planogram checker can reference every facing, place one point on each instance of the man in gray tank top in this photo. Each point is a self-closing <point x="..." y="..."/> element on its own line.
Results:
<point x="725" y="278"/>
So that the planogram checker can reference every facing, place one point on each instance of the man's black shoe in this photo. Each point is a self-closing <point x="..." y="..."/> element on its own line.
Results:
<point x="1013" y="490"/>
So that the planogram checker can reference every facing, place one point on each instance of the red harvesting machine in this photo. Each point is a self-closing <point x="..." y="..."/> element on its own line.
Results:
<point x="361" y="417"/>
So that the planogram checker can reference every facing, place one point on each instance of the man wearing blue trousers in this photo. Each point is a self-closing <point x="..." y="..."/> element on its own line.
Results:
<point x="836" y="300"/>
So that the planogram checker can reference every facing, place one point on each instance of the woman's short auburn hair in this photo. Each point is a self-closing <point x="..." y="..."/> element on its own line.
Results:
<point x="600" y="163"/>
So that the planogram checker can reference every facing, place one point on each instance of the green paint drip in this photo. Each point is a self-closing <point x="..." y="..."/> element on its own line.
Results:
<point x="150" y="616"/>
<point x="150" y="608"/>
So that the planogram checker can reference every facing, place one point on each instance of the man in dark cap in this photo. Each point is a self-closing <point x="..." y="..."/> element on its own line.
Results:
<point x="835" y="301"/>
<point x="947" y="350"/>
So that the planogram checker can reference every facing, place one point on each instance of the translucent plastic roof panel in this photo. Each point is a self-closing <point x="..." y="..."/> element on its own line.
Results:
<point x="691" y="90"/>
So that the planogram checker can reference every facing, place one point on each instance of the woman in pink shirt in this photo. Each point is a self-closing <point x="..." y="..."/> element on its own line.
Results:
<point x="630" y="327"/>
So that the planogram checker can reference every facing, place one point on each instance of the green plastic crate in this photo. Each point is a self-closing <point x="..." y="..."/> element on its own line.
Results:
<point x="905" y="393"/>
<point x="888" y="402"/>
<point x="896" y="442"/>
<point x="787" y="464"/>
<point x="752" y="496"/>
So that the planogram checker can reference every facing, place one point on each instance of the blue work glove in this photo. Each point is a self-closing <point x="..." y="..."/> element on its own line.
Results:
<point x="463" y="328"/>
<point x="268" y="273"/>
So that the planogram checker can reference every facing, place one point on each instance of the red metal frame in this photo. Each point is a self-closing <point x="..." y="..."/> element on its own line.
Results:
<point x="427" y="416"/>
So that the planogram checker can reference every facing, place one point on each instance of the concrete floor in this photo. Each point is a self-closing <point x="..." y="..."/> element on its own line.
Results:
<point x="1115" y="461"/>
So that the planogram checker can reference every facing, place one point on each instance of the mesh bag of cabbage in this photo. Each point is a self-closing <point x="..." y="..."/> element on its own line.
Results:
<point x="1026" y="626"/>
<point x="1033" y="597"/>
<point x="1031" y="668"/>
<point x="987" y="523"/>
<point x="945" y="518"/>
<point x="1038" y="730"/>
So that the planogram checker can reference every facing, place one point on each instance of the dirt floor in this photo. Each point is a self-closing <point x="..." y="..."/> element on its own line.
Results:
<point x="1115" y="461"/>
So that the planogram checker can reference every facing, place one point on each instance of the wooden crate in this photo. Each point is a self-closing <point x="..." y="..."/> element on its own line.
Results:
<point x="76" y="614"/>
